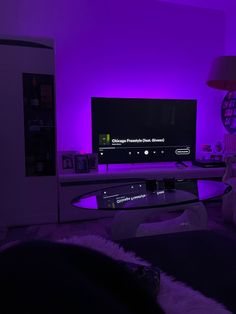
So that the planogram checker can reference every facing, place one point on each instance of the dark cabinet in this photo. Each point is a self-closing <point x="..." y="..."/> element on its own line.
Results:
<point x="39" y="124"/>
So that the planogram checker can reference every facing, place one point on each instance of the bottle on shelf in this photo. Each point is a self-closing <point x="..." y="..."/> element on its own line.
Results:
<point x="40" y="165"/>
<point x="34" y="101"/>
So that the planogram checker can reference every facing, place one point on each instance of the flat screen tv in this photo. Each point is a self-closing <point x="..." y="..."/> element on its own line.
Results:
<point x="130" y="130"/>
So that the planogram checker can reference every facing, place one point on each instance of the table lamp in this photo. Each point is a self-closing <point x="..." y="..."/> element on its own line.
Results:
<point x="223" y="76"/>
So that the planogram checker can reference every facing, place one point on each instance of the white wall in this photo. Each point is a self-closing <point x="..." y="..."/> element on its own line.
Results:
<point x="228" y="7"/>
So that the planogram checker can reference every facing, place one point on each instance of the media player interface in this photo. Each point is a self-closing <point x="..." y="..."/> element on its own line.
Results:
<point x="143" y="132"/>
<point x="139" y="147"/>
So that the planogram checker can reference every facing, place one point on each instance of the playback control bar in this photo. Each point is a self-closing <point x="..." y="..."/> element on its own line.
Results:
<point x="142" y="154"/>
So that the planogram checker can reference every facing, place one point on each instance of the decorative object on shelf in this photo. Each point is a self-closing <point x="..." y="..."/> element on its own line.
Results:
<point x="228" y="112"/>
<point x="93" y="161"/>
<point x="229" y="145"/>
<point x="219" y="147"/>
<point x="212" y="152"/>
<point x="81" y="163"/>
<point x="223" y="76"/>
<point x="66" y="161"/>
<point x="206" y="151"/>
<point x="76" y="162"/>
<point x="217" y="153"/>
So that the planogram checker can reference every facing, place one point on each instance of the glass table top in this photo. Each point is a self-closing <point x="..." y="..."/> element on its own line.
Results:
<point x="138" y="195"/>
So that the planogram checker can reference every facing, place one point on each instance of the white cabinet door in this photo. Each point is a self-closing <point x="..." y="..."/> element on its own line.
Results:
<point x="24" y="200"/>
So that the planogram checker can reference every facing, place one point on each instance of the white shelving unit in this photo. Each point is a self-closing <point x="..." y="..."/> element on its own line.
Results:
<point x="26" y="198"/>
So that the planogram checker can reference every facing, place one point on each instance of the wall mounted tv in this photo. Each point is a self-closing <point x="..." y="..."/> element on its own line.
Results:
<point x="129" y="130"/>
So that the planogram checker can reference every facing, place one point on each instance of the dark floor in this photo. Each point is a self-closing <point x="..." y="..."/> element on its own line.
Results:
<point x="216" y="222"/>
<point x="102" y="227"/>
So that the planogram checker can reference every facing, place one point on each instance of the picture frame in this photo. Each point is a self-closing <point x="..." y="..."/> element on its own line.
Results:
<point x="66" y="162"/>
<point x="81" y="163"/>
<point x="93" y="161"/>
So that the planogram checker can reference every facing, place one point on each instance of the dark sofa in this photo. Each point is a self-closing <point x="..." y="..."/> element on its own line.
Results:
<point x="51" y="278"/>
<point x="204" y="260"/>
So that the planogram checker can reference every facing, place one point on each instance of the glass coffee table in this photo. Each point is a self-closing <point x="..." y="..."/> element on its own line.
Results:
<point x="152" y="207"/>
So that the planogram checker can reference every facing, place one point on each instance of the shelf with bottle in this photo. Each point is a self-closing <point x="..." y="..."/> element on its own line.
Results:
<point x="40" y="164"/>
<point x="212" y="152"/>
<point x="36" y="125"/>
<point x="39" y="119"/>
<point x="38" y="92"/>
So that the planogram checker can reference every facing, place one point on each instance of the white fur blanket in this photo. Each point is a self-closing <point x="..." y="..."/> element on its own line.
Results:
<point x="174" y="297"/>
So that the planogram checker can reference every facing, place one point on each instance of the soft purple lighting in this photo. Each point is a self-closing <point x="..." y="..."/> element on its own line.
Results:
<point x="149" y="49"/>
<point x="88" y="203"/>
<point x="157" y="51"/>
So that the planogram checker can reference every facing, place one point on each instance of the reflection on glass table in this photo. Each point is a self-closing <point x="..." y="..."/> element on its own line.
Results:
<point x="136" y="196"/>
<point x="141" y="212"/>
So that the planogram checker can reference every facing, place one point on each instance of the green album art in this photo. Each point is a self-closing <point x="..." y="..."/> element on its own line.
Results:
<point x="104" y="139"/>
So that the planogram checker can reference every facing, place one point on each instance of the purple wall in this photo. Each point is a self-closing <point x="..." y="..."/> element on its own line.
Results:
<point x="124" y="49"/>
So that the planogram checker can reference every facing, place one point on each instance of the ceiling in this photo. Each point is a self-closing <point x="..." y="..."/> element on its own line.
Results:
<point x="224" y="5"/>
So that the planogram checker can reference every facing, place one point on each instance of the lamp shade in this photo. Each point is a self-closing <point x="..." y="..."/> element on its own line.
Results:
<point x="223" y="73"/>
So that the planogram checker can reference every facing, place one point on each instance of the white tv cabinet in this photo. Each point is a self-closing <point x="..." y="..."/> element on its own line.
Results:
<point x="74" y="185"/>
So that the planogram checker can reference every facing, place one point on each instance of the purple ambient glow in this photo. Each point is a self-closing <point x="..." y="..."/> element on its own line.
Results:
<point x="148" y="53"/>
<point x="88" y="203"/>
<point x="125" y="49"/>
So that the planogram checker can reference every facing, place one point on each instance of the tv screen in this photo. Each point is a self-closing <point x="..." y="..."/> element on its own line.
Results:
<point x="128" y="130"/>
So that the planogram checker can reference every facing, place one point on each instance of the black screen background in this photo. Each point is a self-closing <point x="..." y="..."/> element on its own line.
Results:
<point x="175" y="120"/>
